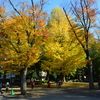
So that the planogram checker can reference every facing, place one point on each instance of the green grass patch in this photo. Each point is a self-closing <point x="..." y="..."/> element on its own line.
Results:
<point x="70" y="85"/>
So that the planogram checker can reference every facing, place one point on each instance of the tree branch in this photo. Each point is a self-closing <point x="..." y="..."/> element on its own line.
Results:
<point x="73" y="29"/>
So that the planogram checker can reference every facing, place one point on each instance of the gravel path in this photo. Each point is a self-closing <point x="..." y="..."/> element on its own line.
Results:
<point x="84" y="92"/>
<point x="60" y="94"/>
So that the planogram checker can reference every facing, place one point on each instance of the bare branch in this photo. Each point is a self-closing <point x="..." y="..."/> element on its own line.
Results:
<point x="42" y="3"/>
<point x="14" y="7"/>
<point x="73" y="29"/>
<point x="32" y="1"/>
<point x="76" y="14"/>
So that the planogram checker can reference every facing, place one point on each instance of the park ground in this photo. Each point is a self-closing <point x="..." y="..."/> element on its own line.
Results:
<point x="68" y="88"/>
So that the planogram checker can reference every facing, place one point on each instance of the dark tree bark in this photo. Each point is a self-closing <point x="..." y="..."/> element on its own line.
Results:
<point x="4" y="78"/>
<point x="23" y="87"/>
<point x="89" y="66"/>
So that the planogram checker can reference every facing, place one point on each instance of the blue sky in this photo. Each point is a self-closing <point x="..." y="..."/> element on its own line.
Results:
<point x="98" y="4"/>
<point x="48" y="7"/>
<point x="53" y="3"/>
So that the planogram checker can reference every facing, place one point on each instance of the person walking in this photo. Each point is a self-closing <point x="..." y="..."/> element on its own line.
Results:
<point x="1" y="87"/>
<point x="7" y="87"/>
<point x="32" y="83"/>
<point x="59" y="83"/>
<point x="48" y="84"/>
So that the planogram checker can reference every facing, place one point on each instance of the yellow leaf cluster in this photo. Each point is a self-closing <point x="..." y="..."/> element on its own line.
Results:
<point x="21" y="41"/>
<point x="63" y="52"/>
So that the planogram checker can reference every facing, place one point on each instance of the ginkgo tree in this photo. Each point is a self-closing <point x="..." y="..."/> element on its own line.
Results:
<point x="84" y="14"/>
<point x="21" y="37"/>
<point x="63" y="53"/>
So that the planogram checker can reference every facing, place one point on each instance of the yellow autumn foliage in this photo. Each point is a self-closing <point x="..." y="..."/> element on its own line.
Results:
<point x="21" y="42"/>
<point x="63" y="52"/>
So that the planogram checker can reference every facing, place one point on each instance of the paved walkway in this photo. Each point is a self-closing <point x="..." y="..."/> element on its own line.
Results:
<point x="60" y="94"/>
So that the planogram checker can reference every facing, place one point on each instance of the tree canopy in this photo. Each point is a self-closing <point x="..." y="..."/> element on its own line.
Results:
<point x="61" y="42"/>
<point x="63" y="52"/>
<point x="21" y="38"/>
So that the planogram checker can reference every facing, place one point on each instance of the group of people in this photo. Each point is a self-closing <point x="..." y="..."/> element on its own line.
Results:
<point x="6" y="86"/>
<point x="59" y="83"/>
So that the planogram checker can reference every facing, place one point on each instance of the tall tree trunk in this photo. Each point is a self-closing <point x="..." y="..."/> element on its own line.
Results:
<point x="89" y="66"/>
<point x="91" y="84"/>
<point x="4" y="77"/>
<point x="64" y="79"/>
<point x="61" y="76"/>
<point x="23" y="87"/>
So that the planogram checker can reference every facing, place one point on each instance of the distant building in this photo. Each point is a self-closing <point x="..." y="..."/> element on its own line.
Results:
<point x="43" y="75"/>
<point x="9" y="76"/>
